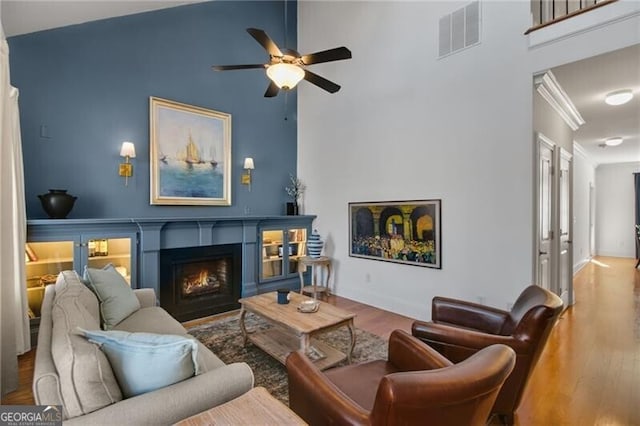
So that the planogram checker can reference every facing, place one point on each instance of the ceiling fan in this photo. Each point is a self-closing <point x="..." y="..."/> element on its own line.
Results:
<point x="287" y="67"/>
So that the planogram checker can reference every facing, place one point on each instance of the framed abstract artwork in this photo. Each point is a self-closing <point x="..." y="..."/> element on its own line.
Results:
<point x="407" y="232"/>
<point x="190" y="154"/>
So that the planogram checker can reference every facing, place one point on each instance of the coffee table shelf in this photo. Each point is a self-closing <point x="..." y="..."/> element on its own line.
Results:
<point x="279" y="344"/>
<point x="292" y="330"/>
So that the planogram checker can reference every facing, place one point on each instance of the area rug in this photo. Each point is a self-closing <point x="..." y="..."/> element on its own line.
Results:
<point x="224" y="338"/>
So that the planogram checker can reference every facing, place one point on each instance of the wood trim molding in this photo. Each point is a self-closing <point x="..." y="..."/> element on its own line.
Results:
<point x="569" y="15"/>
<point x="549" y="88"/>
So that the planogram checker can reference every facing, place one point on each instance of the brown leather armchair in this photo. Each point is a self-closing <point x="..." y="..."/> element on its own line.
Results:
<point x="416" y="386"/>
<point x="459" y="329"/>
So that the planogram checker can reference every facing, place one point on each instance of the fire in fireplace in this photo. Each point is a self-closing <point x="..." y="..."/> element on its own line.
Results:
<point x="199" y="281"/>
<point x="200" y="278"/>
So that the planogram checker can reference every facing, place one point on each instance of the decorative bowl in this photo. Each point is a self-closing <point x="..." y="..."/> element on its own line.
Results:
<point x="309" y="306"/>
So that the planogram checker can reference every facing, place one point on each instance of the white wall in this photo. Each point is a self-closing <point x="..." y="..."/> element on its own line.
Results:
<point x="615" y="209"/>
<point x="407" y="126"/>
<point x="583" y="179"/>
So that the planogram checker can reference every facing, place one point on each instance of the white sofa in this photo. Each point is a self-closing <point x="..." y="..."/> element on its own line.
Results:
<point x="72" y="372"/>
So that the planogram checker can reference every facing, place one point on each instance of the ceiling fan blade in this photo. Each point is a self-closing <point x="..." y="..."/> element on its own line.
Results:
<point x="237" y="67"/>
<point x="321" y="82"/>
<point x="264" y="40"/>
<point x="272" y="90"/>
<point x="337" y="54"/>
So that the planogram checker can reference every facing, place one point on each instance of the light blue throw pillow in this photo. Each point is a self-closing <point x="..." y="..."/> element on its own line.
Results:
<point x="117" y="299"/>
<point x="143" y="362"/>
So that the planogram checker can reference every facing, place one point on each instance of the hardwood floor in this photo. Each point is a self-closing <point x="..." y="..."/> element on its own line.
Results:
<point x="589" y="373"/>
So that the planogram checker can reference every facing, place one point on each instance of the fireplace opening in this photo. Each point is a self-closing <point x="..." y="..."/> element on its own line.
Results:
<point x="199" y="281"/>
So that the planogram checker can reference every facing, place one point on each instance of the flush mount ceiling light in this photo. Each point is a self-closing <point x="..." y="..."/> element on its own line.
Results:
<point x="619" y="97"/>
<point x="613" y="141"/>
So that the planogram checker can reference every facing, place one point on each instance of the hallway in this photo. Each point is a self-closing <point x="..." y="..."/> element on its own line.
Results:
<point x="589" y="374"/>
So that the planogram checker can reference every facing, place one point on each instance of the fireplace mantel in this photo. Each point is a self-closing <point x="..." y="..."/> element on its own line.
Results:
<point x="156" y="233"/>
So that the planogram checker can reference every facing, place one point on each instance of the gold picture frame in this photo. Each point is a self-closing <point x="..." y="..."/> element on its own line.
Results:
<point x="190" y="154"/>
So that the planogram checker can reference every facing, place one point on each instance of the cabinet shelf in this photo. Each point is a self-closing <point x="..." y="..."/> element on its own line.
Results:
<point x="50" y="261"/>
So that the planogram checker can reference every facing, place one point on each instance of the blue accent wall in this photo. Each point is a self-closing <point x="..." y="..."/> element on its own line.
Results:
<point x="84" y="89"/>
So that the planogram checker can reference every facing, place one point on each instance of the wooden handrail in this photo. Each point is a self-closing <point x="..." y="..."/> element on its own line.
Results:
<point x="569" y="15"/>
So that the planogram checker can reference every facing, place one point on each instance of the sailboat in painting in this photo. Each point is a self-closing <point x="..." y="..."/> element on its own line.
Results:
<point x="212" y="160"/>
<point x="193" y="153"/>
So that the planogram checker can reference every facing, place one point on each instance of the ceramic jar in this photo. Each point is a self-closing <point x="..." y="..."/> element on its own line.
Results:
<point x="314" y="245"/>
<point x="57" y="203"/>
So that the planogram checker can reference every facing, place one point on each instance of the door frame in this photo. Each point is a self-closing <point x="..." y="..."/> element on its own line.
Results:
<point x="540" y="140"/>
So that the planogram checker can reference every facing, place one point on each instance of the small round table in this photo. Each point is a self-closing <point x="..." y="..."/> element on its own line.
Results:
<point x="317" y="265"/>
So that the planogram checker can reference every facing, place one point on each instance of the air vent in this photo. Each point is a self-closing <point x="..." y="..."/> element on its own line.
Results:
<point x="459" y="30"/>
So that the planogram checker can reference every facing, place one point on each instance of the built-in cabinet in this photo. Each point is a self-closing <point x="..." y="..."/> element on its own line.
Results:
<point x="45" y="259"/>
<point x="281" y="248"/>
<point x="59" y="245"/>
<point x="271" y="245"/>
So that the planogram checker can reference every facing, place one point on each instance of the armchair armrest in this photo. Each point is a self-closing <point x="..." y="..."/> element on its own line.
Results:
<point x="470" y="340"/>
<point x="410" y="354"/>
<point x="467" y="314"/>
<point x="316" y="399"/>
<point x="146" y="297"/>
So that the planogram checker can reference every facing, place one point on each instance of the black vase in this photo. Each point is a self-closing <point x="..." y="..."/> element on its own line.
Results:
<point x="57" y="203"/>
<point x="292" y="209"/>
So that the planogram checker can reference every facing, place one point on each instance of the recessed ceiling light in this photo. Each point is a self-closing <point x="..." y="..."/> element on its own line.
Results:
<point x="619" y="97"/>
<point x="613" y="141"/>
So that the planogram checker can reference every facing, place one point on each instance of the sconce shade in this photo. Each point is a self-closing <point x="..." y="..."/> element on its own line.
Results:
<point x="285" y="76"/>
<point x="248" y="163"/>
<point x="128" y="150"/>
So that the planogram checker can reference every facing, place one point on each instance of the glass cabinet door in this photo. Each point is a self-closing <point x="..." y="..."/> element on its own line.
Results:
<point x="272" y="251"/>
<point x="43" y="263"/>
<point x="297" y="248"/>
<point x="117" y="251"/>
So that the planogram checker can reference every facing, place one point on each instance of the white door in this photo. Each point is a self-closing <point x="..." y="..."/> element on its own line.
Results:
<point x="565" y="251"/>
<point x="545" y="224"/>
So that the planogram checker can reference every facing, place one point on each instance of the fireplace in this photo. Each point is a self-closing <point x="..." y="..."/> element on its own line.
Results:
<point x="199" y="281"/>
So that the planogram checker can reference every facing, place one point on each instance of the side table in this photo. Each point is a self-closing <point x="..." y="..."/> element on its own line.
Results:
<point x="321" y="265"/>
<point x="254" y="407"/>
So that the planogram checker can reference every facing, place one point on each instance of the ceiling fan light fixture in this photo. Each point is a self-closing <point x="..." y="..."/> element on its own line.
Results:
<point x="613" y="141"/>
<point x="285" y="76"/>
<point x="618" y="97"/>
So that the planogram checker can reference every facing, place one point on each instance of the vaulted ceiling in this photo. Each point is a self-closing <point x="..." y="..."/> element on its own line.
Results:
<point x="586" y="82"/>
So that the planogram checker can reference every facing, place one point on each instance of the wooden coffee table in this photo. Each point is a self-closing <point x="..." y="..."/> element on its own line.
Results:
<point x="293" y="330"/>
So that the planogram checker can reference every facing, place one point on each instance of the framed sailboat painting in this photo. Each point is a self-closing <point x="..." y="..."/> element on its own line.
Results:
<point x="190" y="154"/>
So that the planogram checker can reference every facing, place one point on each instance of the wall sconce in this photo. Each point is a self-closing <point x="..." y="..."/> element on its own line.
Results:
<point x="127" y="151"/>
<point x="248" y="166"/>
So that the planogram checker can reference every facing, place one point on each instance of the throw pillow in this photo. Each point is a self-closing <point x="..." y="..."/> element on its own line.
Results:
<point x="117" y="299"/>
<point x="143" y="362"/>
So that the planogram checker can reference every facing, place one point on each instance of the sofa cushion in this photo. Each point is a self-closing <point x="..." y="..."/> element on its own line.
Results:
<point x="117" y="299"/>
<point x="69" y="284"/>
<point x="144" y="362"/>
<point x="87" y="382"/>
<point x="151" y="320"/>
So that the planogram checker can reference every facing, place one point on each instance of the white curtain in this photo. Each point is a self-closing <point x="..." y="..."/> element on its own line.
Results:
<point x="14" y="321"/>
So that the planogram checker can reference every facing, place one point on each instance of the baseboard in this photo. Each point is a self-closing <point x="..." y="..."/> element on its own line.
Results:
<point x="578" y="266"/>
